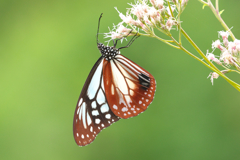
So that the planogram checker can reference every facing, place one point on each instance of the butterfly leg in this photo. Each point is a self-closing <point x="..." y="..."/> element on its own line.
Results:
<point x="115" y="43"/>
<point x="131" y="41"/>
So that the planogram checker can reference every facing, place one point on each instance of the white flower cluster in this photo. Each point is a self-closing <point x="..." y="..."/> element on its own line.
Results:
<point x="230" y="53"/>
<point x="146" y="15"/>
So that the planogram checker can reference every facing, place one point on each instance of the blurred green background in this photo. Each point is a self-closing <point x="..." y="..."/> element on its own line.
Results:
<point x="47" y="49"/>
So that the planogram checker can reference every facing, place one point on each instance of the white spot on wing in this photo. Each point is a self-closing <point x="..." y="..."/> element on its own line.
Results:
<point x="80" y="102"/>
<point x="95" y="82"/>
<point x="78" y="110"/>
<point x="124" y="109"/>
<point x="108" y="116"/>
<point x="84" y="115"/>
<point x="128" y="99"/>
<point x="95" y="113"/>
<point x="121" y="99"/>
<point x="94" y="105"/>
<point x="131" y="93"/>
<point x="103" y="85"/>
<point x="115" y="107"/>
<point x="104" y="108"/>
<point x="118" y="79"/>
<point x="100" y="97"/>
<point x="97" y="121"/>
<point x="112" y="89"/>
<point x="80" y="113"/>
<point x="89" y="120"/>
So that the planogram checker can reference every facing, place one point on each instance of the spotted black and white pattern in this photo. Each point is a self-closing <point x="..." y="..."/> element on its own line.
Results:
<point x="108" y="52"/>
<point x="92" y="113"/>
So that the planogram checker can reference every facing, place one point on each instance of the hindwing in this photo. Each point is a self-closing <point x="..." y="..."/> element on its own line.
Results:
<point x="129" y="88"/>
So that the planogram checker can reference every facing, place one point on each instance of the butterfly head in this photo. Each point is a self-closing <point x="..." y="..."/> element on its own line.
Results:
<point x="108" y="52"/>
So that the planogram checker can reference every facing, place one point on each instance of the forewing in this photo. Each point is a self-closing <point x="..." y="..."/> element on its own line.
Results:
<point x="92" y="113"/>
<point x="129" y="88"/>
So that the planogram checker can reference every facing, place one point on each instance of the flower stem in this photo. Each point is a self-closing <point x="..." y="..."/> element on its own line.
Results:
<point x="213" y="67"/>
<point x="218" y="16"/>
<point x="165" y="41"/>
<point x="169" y="6"/>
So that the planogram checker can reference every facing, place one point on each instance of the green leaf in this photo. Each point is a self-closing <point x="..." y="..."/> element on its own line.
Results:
<point x="221" y="12"/>
<point x="204" y="5"/>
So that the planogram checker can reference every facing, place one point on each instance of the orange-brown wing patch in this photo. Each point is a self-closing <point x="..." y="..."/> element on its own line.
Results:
<point x="128" y="87"/>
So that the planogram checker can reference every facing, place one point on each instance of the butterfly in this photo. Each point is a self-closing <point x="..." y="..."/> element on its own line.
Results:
<point x="116" y="88"/>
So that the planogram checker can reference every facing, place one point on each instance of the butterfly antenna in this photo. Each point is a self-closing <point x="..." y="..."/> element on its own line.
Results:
<point x="98" y="27"/>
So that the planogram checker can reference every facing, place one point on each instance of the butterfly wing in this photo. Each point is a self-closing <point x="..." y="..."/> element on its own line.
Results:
<point x="129" y="88"/>
<point x="92" y="113"/>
